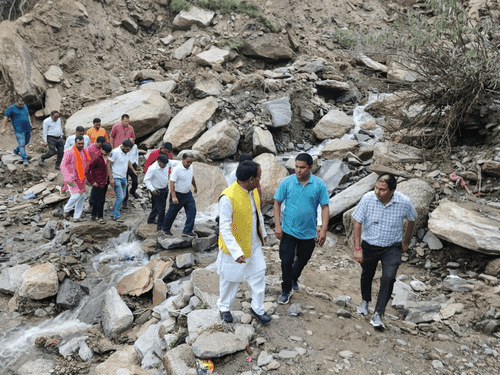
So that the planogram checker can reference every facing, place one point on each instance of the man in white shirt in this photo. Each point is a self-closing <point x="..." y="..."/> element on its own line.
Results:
<point x="241" y="237"/>
<point x="52" y="137"/>
<point x="70" y="141"/>
<point x="157" y="180"/>
<point x="118" y="163"/>
<point x="134" y="159"/>
<point x="180" y="188"/>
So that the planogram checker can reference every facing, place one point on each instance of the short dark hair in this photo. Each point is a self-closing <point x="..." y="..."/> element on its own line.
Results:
<point x="304" y="156"/>
<point x="79" y="129"/>
<point x="19" y="100"/>
<point x="53" y="112"/>
<point x="106" y="146"/>
<point x="79" y="138"/>
<point x="168" y="146"/>
<point x="390" y="180"/>
<point x="125" y="116"/>
<point x="163" y="159"/>
<point x="127" y="143"/>
<point x="100" y="139"/>
<point x="244" y="157"/>
<point x="96" y="120"/>
<point x="246" y="170"/>
<point x="187" y="155"/>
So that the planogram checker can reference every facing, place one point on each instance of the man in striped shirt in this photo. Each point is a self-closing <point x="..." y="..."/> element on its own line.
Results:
<point x="381" y="212"/>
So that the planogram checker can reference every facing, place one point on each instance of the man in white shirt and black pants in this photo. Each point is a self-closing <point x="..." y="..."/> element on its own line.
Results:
<point x="52" y="136"/>
<point x="156" y="180"/>
<point x="180" y="188"/>
<point x="134" y="159"/>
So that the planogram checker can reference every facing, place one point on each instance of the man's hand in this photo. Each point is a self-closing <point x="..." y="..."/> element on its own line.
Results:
<point x="358" y="255"/>
<point x="71" y="184"/>
<point x="112" y="181"/>
<point x="95" y="184"/>
<point x="175" y="200"/>
<point x="44" y="144"/>
<point x="241" y="259"/>
<point x="321" y="237"/>
<point x="154" y="192"/>
<point x="404" y="247"/>
<point x="195" y="190"/>
<point x="278" y="232"/>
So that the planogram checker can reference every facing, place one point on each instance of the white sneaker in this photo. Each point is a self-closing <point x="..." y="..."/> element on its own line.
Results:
<point x="376" y="321"/>
<point x="363" y="307"/>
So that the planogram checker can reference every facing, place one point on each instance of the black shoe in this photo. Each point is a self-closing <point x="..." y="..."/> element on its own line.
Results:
<point x="125" y="206"/>
<point x="226" y="316"/>
<point x="153" y="222"/>
<point x="136" y="196"/>
<point x="264" y="318"/>
<point x="166" y="232"/>
<point x="295" y="286"/>
<point x="189" y="234"/>
<point x="285" y="297"/>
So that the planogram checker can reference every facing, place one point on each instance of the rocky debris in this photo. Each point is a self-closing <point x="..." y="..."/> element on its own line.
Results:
<point x="70" y="294"/>
<point x="280" y="111"/>
<point x="217" y="344"/>
<point x="207" y="87"/>
<point x="272" y="175"/>
<point x="38" y="366"/>
<point x="116" y="316"/>
<point x="147" y="109"/>
<point x="333" y="125"/>
<point x="52" y="101"/>
<point x="267" y="52"/>
<point x="351" y="196"/>
<point x="193" y="16"/>
<point x="333" y="172"/>
<point x="184" y="50"/>
<point x="164" y="88"/>
<point x="457" y="224"/>
<point x="39" y="282"/>
<point x="190" y="123"/>
<point x="263" y="142"/>
<point x="206" y="286"/>
<point x="122" y="361"/>
<point x="220" y="141"/>
<point x="180" y="361"/>
<point x="185" y="260"/>
<point x="11" y="278"/>
<point x="386" y="153"/>
<point x="54" y="74"/>
<point x="491" y="168"/>
<point x="337" y="148"/>
<point x="145" y="344"/>
<point x="213" y="56"/>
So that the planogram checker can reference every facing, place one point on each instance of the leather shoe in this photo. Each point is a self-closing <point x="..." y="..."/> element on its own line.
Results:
<point x="264" y="318"/>
<point x="226" y="316"/>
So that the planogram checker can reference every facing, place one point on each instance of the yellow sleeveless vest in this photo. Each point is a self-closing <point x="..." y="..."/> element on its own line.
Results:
<point x="241" y="225"/>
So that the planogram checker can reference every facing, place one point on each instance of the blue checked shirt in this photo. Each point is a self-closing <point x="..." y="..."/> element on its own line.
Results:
<point x="383" y="225"/>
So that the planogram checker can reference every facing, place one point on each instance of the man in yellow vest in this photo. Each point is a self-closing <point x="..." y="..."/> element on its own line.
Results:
<point x="241" y="237"/>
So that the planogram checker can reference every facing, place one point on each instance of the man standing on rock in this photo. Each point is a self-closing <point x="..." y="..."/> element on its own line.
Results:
<point x="21" y="122"/>
<point x="241" y="237"/>
<point x="79" y="131"/>
<point x="381" y="212"/>
<point x="301" y="192"/>
<point x="121" y="132"/>
<point x="118" y="163"/>
<point x="52" y="136"/>
<point x="97" y="176"/>
<point x="73" y="166"/>
<point x="181" y="179"/>
<point x="157" y="180"/>
<point x="97" y="131"/>
<point x="134" y="159"/>
<point x="166" y="150"/>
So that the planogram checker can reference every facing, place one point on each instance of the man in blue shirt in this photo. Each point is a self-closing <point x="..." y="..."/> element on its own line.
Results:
<point x="301" y="192"/>
<point x="20" y="117"/>
<point x="381" y="212"/>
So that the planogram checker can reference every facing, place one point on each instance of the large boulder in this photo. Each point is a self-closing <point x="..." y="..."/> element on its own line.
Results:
<point x="351" y="196"/>
<point x="386" y="153"/>
<point x="124" y="361"/>
<point x="147" y="109"/>
<point x="333" y="125"/>
<point x="210" y="182"/>
<point x="269" y="52"/>
<point x="39" y="282"/>
<point x="220" y="141"/>
<point x="180" y="360"/>
<point x="11" y="278"/>
<point x="263" y="142"/>
<point x="272" y="175"/>
<point x="193" y="16"/>
<point x="213" y="56"/>
<point x="460" y="225"/>
<point x="18" y="69"/>
<point x="116" y="316"/>
<point x="190" y="123"/>
<point x="280" y="111"/>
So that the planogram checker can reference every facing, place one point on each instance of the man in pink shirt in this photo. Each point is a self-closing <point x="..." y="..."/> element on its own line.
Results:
<point x="121" y="132"/>
<point x="94" y="149"/>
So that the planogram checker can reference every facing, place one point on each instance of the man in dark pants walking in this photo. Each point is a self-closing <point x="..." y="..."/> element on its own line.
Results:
<point x="52" y="136"/>
<point x="301" y="192"/>
<point x="381" y="212"/>
<point x="97" y="176"/>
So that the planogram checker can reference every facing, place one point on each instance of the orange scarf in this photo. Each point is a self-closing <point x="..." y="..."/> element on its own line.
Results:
<point x="79" y="163"/>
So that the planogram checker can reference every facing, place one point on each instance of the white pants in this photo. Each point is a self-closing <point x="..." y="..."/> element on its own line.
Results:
<point x="76" y="201"/>
<point x="228" y="290"/>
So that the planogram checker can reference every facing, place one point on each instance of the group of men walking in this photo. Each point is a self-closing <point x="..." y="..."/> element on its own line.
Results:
<point x="101" y="161"/>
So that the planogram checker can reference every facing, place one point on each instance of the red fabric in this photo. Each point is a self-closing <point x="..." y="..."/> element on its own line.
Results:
<point x="153" y="156"/>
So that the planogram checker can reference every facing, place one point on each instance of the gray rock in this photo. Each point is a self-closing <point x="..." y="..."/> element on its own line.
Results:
<point x="264" y="359"/>
<point x="263" y="142"/>
<point x="344" y="313"/>
<point x="116" y="316"/>
<point x="184" y="50"/>
<point x="207" y="87"/>
<point x="53" y="74"/>
<point x="39" y="282"/>
<point x="179" y="360"/>
<point x="418" y="286"/>
<point x="52" y="101"/>
<point x="337" y="148"/>
<point x="204" y="243"/>
<point x="386" y="153"/>
<point x="312" y="67"/>
<point x="11" y="278"/>
<point x="50" y="229"/>
<point x="343" y="301"/>
<point x="346" y="354"/>
<point x="269" y="52"/>
<point x="333" y="125"/>
<point x="220" y="141"/>
<point x="288" y="354"/>
<point x="193" y="16"/>
<point x="168" y="243"/>
<point x="218" y="344"/>
<point x="432" y="241"/>
<point x="206" y="286"/>
<point x="201" y="320"/>
<point x="70" y="294"/>
<point x="332" y="173"/>
<point x="184" y="260"/>
<point x="280" y="110"/>
<point x="455" y="283"/>
<point x="213" y="56"/>
<point x="38" y="367"/>
<point x="351" y="196"/>
<point x="85" y="353"/>
<point x="130" y="25"/>
<point x="144" y="344"/>
<point x="164" y="87"/>
<point x="71" y="346"/>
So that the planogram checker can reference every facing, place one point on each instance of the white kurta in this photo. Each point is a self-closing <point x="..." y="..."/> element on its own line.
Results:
<point x="226" y="263"/>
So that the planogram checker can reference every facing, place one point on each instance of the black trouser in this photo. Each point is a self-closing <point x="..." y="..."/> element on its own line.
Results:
<point x="158" y="209"/>
<point x="291" y="266"/>
<point x="56" y="146"/>
<point x="98" y="197"/>
<point x="105" y="188"/>
<point x="135" y="183"/>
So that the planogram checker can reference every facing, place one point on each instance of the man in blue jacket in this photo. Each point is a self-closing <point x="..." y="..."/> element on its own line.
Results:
<point x="20" y="117"/>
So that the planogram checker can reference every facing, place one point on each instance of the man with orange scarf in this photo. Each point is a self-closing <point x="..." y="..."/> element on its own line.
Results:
<point x="73" y="167"/>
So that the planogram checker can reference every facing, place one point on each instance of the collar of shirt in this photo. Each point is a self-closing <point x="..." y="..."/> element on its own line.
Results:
<point x="297" y="181"/>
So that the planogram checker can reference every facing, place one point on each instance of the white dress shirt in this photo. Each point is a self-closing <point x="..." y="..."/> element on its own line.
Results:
<point x="156" y="177"/>
<point x="52" y="128"/>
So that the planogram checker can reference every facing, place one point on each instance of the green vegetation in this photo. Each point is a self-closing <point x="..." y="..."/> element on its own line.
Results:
<point x="178" y="5"/>
<point x="234" y="43"/>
